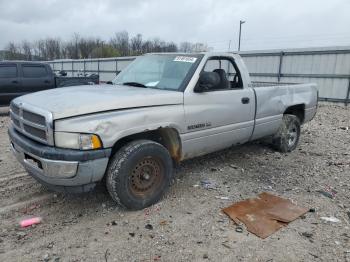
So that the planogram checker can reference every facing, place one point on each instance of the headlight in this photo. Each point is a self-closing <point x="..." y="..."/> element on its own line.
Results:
<point x="77" y="141"/>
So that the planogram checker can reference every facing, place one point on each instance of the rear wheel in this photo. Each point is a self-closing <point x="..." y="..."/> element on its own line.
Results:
<point x="139" y="174"/>
<point x="287" y="137"/>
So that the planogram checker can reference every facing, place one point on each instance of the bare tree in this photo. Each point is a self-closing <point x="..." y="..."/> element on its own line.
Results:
<point x="42" y="49"/>
<point x="136" y="44"/>
<point x="79" y="47"/>
<point x="36" y="50"/>
<point x="120" y="41"/>
<point x="104" y="50"/>
<point x="75" y="42"/>
<point x="147" y="47"/>
<point x="12" y="51"/>
<point x="27" y="50"/>
<point x="64" y="52"/>
<point x="87" y="45"/>
<point x="200" y="47"/>
<point x="186" y="47"/>
<point x="156" y="42"/>
<point x="53" y="48"/>
<point x="69" y="50"/>
<point x="171" y="47"/>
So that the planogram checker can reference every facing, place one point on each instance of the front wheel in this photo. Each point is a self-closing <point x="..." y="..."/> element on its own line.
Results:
<point x="287" y="137"/>
<point x="139" y="174"/>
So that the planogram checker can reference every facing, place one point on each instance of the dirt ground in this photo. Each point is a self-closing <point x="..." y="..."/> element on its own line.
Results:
<point x="188" y="224"/>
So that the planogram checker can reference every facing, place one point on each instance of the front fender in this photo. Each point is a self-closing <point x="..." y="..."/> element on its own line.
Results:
<point x="113" y="126"/>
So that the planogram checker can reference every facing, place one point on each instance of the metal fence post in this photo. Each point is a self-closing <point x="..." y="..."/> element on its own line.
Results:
<point x="72" y="68"/>
<point x="116" y="66"/>
<point x="279" y="74"/>
<point x="347" y="99"/>
<point x="84" y="66"/>
<point x="62" y="66"/>
<point x="98" y="67"/>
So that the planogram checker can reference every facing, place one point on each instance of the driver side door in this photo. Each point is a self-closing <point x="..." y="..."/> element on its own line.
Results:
<point x="218" y="118"/>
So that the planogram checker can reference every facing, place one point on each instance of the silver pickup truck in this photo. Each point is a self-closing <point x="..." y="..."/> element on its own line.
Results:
<point x="160" y="110"/>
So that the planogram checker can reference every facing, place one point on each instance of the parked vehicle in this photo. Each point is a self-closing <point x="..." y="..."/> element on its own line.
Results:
<point x="160" y="110"/>
<point x="20" y="78"/>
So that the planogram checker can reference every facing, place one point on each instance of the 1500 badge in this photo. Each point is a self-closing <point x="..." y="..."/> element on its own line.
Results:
<point x="200" y="125"/>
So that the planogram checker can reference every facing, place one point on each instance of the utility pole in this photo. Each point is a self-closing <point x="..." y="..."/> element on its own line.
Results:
<point x="240" y="31"/>
<point x="228" y="64"/>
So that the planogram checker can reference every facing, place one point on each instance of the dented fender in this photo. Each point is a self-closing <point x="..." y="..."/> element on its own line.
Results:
<point x="115" y="125"/>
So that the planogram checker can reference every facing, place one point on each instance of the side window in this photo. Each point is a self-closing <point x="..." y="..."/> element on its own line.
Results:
<point x="211" y="65"/>
<point x="230" y="77"/>
<point x="34" y="71"/>
<point x="8" y="71"/>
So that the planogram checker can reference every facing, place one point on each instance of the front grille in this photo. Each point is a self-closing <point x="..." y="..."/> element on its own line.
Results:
<point x="35" y="131"/>
<point x="35" y="118"/>
<point x="32" y="122"/>
<point x="15" y="109"/>
<point x="16" y="122"/>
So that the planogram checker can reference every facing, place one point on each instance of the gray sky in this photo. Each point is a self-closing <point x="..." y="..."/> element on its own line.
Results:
<point x="270" y="23"/>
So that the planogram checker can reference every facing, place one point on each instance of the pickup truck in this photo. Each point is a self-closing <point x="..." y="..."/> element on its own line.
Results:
<point x="162" y="109"/>
<point x="20" y="77"/>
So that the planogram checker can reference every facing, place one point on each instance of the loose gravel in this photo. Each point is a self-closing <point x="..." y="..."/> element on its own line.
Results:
<point x="188" y="225"/>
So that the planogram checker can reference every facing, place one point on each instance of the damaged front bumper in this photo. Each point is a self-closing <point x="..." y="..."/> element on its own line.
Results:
<point x="63" y="170"/>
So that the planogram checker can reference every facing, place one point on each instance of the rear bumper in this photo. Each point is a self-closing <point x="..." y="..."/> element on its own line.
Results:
<point x="60" y="169"/>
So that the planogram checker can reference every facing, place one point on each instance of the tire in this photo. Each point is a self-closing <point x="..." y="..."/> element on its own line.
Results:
<point x="139" y="174"/>
<point x="287" y="137"/>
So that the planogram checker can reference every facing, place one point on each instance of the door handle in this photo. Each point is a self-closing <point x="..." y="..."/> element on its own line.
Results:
<point x="245" y="100"/>
<point x="47" y="82"/>
<point x="14" y="82"/>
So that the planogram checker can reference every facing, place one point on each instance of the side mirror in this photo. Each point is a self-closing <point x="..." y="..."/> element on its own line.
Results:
<point x="63" y="73"/>
<point x="207" y="81"/>
<point x="109" y="83"/>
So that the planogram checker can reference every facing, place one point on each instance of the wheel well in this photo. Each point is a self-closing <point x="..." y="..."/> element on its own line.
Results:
<point x="297" y="110"/>
<point x="168" y="137"/>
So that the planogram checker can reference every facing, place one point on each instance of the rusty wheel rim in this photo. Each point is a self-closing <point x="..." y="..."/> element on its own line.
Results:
<point x="292" y="135"/>
<point x="146" y="177"/>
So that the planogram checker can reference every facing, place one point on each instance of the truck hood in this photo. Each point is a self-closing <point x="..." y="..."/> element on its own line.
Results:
<point x="80" y="100"/>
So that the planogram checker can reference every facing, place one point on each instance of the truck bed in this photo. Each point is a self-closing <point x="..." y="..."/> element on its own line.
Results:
<point x="272" y="100"/>
<point x="262" y="84"/>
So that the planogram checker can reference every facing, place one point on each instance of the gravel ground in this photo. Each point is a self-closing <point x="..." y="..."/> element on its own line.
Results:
<point x="188" y="225"/>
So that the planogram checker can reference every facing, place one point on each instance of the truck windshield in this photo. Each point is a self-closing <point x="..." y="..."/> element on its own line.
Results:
<point x="158" y="71"/>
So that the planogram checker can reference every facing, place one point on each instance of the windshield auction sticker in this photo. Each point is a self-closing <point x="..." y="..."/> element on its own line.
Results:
<point x="186" y="59"/>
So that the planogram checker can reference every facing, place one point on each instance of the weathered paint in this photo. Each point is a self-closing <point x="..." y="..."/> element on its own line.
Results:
<point x="222" y="118"/>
